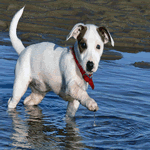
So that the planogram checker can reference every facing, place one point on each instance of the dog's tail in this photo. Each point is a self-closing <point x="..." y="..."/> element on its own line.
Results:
<point x="16" y="42"/>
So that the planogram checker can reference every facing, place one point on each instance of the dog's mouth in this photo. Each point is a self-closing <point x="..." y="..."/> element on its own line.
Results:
<point x="90" y="72"/>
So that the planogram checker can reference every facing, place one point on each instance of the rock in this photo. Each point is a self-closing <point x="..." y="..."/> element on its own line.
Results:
<point x="142" y="64"/>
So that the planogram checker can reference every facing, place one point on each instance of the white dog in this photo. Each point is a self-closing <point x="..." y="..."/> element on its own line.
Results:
<point x="48" y="67"/>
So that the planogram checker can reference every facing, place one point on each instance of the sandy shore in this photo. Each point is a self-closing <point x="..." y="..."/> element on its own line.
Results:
<point x="128" y="21"/>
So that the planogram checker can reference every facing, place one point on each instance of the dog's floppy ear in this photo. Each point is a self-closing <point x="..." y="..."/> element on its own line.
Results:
<point x="75" y="31"/>
<point x="105" y="35"/>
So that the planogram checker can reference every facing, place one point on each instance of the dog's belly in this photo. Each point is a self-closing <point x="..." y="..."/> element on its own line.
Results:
<point x="39" y="86"/>
<point x="45" y="83"/>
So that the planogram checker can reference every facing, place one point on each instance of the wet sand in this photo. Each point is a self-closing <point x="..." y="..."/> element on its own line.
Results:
<point x="128" y="21"/>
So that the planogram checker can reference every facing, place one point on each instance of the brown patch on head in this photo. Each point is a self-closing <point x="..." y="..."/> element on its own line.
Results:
<point x="102" y="31"/>
<point x="81" y="41"/>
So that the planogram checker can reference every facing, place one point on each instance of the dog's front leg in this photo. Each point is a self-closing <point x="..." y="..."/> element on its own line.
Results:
<point x="81" y="95"/>
<point x="72" y="108"/>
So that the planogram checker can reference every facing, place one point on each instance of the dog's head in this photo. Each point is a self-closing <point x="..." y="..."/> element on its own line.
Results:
<point x="89" y="45"/>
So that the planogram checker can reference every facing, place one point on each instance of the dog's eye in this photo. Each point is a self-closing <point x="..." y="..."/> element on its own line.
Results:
<point x="98" y="47"/>
<point x="83" y="45"/>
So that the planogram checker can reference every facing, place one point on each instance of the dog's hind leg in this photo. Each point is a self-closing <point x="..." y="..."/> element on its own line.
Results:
<point x="34" y="98"/>
<point x="20" y="86"/>
<point x="22" y="80"/>
<point x="72" y="108"/>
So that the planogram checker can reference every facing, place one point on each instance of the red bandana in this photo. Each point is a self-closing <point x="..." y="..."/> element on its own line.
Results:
<point x="86" y="77"/>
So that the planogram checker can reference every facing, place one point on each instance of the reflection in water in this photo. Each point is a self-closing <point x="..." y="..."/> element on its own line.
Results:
<point x="19" y="136"/>
<point x="35" y="132"/>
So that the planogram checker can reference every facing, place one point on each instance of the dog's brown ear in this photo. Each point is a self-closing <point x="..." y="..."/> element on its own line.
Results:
<point x="75" y="31"/>
<point x="105" y="35"/>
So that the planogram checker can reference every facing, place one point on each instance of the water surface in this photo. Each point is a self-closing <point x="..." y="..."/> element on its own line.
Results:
<point x="122" y="122"/>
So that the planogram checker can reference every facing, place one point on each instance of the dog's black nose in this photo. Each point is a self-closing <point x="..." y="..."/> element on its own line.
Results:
<point x="89" y="66"/>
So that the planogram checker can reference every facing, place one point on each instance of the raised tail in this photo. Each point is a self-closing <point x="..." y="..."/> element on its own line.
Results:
<point x="16" y="42"/>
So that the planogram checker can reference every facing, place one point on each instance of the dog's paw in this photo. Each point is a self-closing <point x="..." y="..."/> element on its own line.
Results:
<point x="11" y="104"/>
<point x="92" y="105"/>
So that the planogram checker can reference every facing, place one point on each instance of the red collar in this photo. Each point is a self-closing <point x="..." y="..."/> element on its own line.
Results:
<point x="86" y="77"/>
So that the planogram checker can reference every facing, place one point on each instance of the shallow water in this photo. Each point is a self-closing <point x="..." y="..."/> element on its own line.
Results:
<point x="122" y="121"/>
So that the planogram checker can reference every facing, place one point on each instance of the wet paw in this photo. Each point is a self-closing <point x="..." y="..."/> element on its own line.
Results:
<point x="11" y="104"/>
<point x="92" y="105"/>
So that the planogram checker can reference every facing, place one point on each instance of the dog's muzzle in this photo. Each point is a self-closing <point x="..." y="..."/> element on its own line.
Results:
<point x="89" y="66"/>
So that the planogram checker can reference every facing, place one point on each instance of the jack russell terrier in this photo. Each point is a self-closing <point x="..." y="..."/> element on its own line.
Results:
<point x="66" y="71"/>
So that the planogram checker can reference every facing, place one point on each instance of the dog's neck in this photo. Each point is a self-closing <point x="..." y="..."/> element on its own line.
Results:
<point x="86" y="77"/>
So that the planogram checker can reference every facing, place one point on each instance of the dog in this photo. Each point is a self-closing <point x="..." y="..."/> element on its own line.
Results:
<point x="66" y="71"/>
